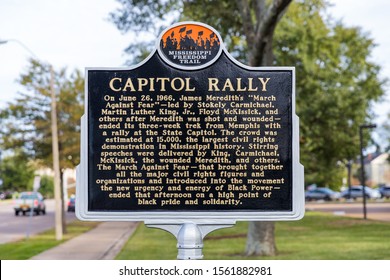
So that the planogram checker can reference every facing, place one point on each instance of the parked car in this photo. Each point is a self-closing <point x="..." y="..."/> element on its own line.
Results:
<point x="71" y="204"/>
<point x="385" y="191"/>
<point x="28" y="201"/>
<point x="357" y="192"/>
<point x="321" y="194"/>
<point x="5" y="195"/>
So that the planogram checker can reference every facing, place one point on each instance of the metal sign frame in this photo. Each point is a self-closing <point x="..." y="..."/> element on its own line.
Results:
<point x="209" y="218"/>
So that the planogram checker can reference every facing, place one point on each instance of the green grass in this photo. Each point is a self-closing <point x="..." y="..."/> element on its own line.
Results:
<point x="27" y="248"/>
<point x="318" y="236"/>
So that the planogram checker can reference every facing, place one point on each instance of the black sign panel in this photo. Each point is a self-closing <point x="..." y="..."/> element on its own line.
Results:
<point x="167" y="139"/>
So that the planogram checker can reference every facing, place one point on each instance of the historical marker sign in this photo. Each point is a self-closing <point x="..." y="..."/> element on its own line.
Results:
<point x="190" y="133"/>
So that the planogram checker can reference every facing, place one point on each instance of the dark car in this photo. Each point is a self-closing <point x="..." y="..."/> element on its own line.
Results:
<point x="385" y="191"/>
<point x="71" y="204"/>
<point x="5" y="195"/>
<point x="30" y="201"/>
<point x="321" y="194"/>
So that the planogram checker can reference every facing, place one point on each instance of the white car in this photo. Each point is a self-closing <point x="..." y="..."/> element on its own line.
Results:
<point x="28" y="201"/>
<point x="357" y="192"/>
<point x="321" y="194"/>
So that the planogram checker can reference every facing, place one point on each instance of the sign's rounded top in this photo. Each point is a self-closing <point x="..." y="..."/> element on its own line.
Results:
<point x="190" y="45"/>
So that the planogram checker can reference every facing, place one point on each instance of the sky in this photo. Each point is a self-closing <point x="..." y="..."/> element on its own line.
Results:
<point x="373" y="18"/>
<point x="64" y="33"/>
<point x="78" y="34"/>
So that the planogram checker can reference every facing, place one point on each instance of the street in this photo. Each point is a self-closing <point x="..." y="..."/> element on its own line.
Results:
<point x="375" y="210"/>
<point x="14" y="228"/>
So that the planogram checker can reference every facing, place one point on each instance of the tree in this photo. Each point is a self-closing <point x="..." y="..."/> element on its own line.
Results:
<point x="256" y="20"/>
<point x="47" y="186"/>
<point x="336" y="82"/>
<point x="259" y="19"/>
<point x="26" y="121"/>
<point x="259" y="32"/>
<point x="336" y="85"/>
<point x="16" y="172"/>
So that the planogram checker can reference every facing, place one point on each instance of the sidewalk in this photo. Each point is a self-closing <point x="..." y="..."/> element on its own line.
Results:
<point x="101" y="243"/>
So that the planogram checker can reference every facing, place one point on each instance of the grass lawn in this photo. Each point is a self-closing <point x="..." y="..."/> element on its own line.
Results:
<point x="25" y="249"/>
<point x="318" y="236"/>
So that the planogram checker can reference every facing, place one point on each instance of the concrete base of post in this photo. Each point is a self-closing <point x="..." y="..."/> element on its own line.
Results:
<point x="189" y="236"/>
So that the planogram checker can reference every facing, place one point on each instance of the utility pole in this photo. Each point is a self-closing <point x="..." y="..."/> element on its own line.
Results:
<point x="56" y="160"/>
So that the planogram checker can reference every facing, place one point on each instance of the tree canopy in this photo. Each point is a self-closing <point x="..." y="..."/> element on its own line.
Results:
<point x="336" y="85"/>
<point x="16" y="172"/>
<point x="26" y="121"/>
<point x="336" y="81"/>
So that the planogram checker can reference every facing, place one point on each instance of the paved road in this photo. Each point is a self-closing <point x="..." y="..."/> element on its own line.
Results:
<point x="14" y="228"/>
<point x="375" y="210"/>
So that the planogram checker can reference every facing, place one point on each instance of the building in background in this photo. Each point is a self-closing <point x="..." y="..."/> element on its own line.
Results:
<point x="380" y="170"/>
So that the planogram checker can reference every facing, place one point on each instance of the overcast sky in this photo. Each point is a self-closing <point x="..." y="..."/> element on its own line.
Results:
<point x="77" y="34"/>
<point x="65" y="33"/>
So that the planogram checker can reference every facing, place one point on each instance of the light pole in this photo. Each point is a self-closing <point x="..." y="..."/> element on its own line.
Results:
<point x="20" y="44"/>
<point x="363" y="179"/>
<point x="349" y="167"/>
<point x="55" y="149"/>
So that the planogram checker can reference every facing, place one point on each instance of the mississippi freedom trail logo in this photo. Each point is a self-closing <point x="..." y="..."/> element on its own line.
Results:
<point x="189" y="45"/>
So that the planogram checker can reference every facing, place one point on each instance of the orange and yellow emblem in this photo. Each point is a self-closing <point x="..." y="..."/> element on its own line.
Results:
<point x="190" y="45"/>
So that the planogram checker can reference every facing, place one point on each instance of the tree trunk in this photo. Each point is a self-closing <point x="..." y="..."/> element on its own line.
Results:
<point x="261" y="239"/>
